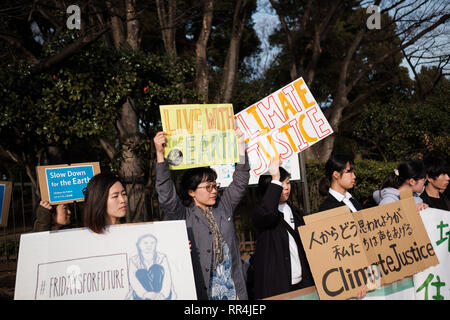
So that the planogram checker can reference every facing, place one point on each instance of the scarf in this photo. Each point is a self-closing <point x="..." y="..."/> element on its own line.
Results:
<point x="217" y="237"/>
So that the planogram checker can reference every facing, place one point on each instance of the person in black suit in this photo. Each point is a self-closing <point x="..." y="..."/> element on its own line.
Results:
<point x="437" y="181"/>
<point x="339" y="177"/>
<point x="279" y="262"/>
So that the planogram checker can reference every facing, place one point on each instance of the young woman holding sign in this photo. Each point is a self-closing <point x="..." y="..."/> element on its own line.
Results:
<point x="279" y="263"/>
<point x="105" y="202"/>
<point x="215" y="254"/>
<point x="50" y="217"/>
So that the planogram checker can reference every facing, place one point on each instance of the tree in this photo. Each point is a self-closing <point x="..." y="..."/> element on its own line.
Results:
<point x="229" y="73"/>
<point x="343" y="24"/>
<point x="93" y="79"/>
<point x="406" y="126"/>
<point x="91" y="87"/>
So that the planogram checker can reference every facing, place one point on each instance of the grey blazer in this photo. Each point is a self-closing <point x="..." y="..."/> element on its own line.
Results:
<point x="197" y="226"/>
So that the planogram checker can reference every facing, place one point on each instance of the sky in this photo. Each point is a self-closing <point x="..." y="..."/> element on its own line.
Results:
<point x="266" y="21"/>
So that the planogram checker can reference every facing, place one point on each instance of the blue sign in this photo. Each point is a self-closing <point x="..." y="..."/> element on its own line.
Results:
<point x="67" y="183"/>
<point x="2" y="196"/>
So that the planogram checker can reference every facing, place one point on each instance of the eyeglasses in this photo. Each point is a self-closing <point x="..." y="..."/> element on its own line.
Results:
<point x="211" y="186"/>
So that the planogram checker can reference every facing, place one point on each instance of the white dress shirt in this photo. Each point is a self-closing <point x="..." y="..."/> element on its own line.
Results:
<point x="296" y="268"/>
<point x="343" y="198"/>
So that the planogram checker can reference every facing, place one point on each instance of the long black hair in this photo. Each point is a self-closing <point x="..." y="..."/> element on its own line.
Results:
<point x="411" y="169"/>
<point x="336" y="162"/>
<point x="95" y="200"/>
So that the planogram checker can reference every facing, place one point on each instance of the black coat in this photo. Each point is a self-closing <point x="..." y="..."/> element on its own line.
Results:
<point x="442" y="203"/>
<point x="331" y="202"/>
<point x="272" y="262"/>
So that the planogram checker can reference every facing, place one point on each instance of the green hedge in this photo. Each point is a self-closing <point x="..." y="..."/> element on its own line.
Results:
<point x="369" y="176"/>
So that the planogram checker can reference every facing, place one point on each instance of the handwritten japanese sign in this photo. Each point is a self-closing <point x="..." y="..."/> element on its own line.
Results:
<point x="199" y="135"/>
<point x="434" y="282"/>
<point x="366" y="249"/>
<point x="282" y="124"/>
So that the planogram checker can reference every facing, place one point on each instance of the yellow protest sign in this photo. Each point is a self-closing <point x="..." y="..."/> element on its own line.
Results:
<point x="199" y="135"/>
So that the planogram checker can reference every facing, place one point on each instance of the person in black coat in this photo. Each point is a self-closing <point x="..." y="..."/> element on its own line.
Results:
<point x="339" y="177"/>
<point x="279" y="262"/>
<point x="437" y="180"/>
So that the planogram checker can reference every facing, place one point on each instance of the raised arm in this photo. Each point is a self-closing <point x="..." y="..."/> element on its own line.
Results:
<point x="266" y="214"/>
<point x="168" y="199"/>
<point x="43" y="220"/>
<point x="234" y="193"/>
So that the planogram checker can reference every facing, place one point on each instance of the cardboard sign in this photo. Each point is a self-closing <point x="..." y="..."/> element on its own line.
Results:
<point x="199" y="135"/>
<point x="282" y="124"/>
<point x="65" y="183"/>
<point x="225" y="172"/>
<point x="131" y="261"/>
<point x="434" y="282"/>
<point x="5" y="200"/>
<point x="366" y="249"/>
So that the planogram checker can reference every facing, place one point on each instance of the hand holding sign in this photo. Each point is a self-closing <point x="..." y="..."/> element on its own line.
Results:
<point x="241" y="140"/>
<point x="45" y="204"/>
<point x="160" y="141"/>
<point x="274" y="168"/>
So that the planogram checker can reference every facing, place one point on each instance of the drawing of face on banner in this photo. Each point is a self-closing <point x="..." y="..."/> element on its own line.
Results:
<point x="282" y="124"/>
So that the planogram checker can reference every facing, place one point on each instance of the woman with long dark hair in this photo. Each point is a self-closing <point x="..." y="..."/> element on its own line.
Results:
<point x="105" y="202"/>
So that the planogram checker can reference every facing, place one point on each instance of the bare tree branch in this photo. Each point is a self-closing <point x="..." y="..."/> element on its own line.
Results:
<point x="68" y="51"/>
<point x="17" y="43"/>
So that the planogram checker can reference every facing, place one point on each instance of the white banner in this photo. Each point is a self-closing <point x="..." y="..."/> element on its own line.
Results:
<point x="130" y="261"/>
<point x="434" y="282"/>
<point x="225" y="172"/>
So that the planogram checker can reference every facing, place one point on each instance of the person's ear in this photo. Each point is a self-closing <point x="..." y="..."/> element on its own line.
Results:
<point x="191" y="193"/>
<point x="412" y="182"/>
<point x="336" y="175"/>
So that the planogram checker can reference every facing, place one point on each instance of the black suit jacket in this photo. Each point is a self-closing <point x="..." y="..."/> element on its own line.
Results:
<point x="272" y="262"/>
<point x="442" y="203"/>
<point x="331" y="202"/>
